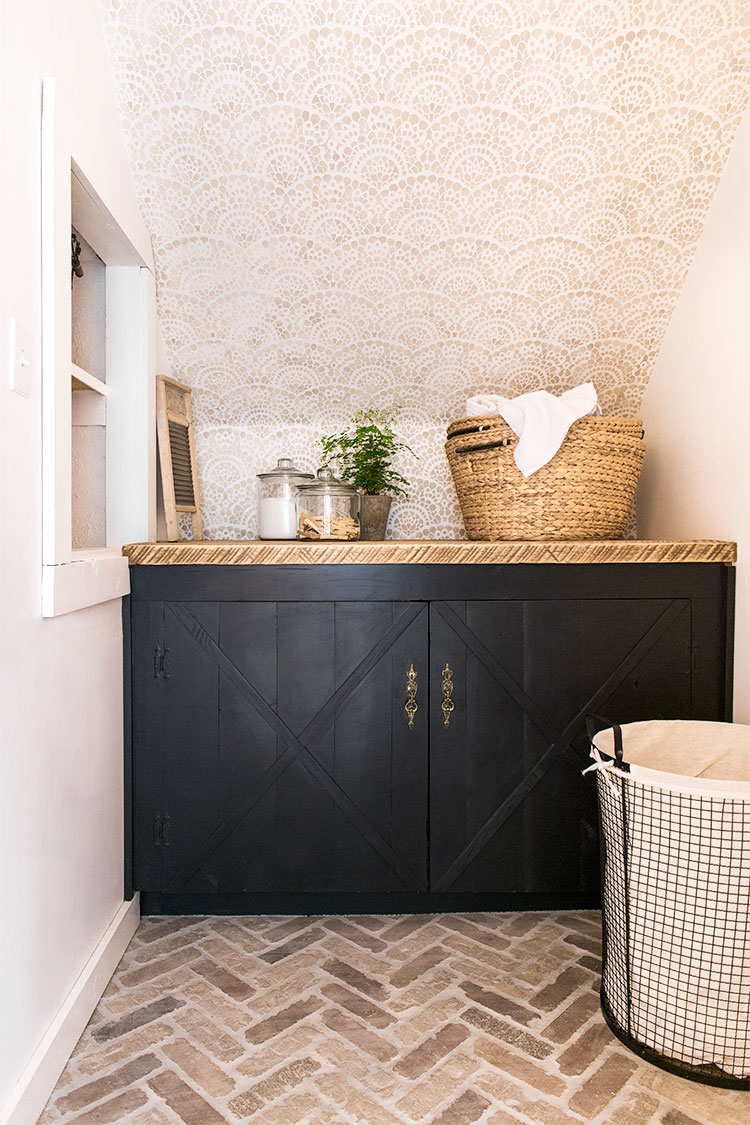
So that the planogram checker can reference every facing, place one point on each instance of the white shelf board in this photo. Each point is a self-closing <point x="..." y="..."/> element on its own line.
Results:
<point x="87" y="382"/>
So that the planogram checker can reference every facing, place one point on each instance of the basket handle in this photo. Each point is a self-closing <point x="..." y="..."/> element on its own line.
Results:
<point x="488" y="445"/>
<point x="597" y="723"/>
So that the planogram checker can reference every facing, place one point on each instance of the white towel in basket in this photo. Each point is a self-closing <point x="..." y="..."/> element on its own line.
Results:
<point x="540" y="419"/>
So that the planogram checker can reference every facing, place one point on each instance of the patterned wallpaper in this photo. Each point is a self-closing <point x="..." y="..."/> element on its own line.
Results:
<point x="381" y="202"/>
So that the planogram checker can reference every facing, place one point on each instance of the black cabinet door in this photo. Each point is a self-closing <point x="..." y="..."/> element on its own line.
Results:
<point x="509" y="808"/>
<point x="272" y="751"/>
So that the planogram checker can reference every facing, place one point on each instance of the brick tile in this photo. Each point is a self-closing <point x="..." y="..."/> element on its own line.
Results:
<point x="510" y="1063"/>
<point x="639" y="1109"/>
<point x="151" y="1116"/>
<point x="369" y="921"/>
<point x="353" y="1102"/>
<point x="467" y="1108"/>
<point x="427" y="1016"/>
<point x="585" y="1050"/>
<point x="439" y="1084"/>
<point x="237" y="935"/>
<point x="296" y="1041"/>
<point x="498" y="962"/>
<point x="142" y="995"/>
<point x="589" y="944"/>
<point x="158" y="948"/>
<point x="404" y="927"/>
<point x="560" y="1029"/>
<point x="554" y="994"/>
<point x="322" y="1037"/>
<point x="124" y="1048"/>
<point x="500" y="1004"/>
<point x="217" y="1004"/>
<point x="302" y="1108"/>
<point x="199" y="1067"/>
<point x="92" y="1091"/>
<point x="470" y="929"/>
<point x="137" y="1018"/>
<point x="217" y="1041"/>
<point x="113" y="1110"/>
<point x="606" y="1081"/>
<point x="160" y="966"/>
<point x="346" y="930"/>
<point x="301" y="941"/>
<point x="522" y="1040"/>
<point x="518" y="925"/>
<point x="517" y="1099"/>
<point x="676" y="1117"/>
<point x="279" y="1022"/>
<point x="428" y="1053"/>
<point x="184" y="1101"/>
<point x="284" y="1079"/>
<point x="581" y="923"/>
<point x="410" y="972"/>
<point x="358" y="1005"/>
<point x="362" y="1037"/>
<point x="151" y="930"/>
<point x="280" y="988"/>
<point x="351" y="976"/>
<point x="222" y="979"/>
<point x="288" y="928"/>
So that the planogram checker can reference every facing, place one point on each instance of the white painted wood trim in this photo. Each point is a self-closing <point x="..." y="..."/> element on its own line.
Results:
<point x="56" y="304"/>
<point x="38" y="1080"/>
<point x="90" y="381"/>
<point x="89" y="579"/>
<point x="131" y="426"/>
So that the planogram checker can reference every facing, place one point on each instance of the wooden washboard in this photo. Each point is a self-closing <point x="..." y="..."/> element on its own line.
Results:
<point x="179" y="478"/>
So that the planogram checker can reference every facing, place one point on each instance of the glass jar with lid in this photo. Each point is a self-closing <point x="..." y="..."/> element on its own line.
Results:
<point x="327" y="509"/>
<point x="277" y="492"/>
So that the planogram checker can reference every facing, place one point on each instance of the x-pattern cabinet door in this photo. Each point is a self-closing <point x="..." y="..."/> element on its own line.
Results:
<point x="275" y="736"/>
<point x="509" y="808"/>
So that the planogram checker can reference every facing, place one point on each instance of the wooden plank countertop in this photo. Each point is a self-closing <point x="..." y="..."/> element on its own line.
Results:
<point x="270" y="552"/>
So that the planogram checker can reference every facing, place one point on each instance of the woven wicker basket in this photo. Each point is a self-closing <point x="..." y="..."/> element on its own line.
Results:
<point x="585" y="492"/>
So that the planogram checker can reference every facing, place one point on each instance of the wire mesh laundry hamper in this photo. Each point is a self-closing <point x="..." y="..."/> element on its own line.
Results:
<point x="674" y="807"/>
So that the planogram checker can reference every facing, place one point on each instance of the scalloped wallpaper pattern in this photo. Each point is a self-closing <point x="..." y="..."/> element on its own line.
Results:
<point x="358" y="202"/>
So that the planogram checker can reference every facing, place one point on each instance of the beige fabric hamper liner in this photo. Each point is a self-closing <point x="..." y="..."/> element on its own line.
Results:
<point x="686" y="748"/>
<point x="681" y="860"/>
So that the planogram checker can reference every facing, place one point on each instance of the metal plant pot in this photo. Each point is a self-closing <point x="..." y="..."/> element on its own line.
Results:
<point x="373" y="516"/>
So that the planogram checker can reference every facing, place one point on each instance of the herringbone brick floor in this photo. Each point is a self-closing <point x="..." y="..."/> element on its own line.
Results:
<point x="440" y="1019"/>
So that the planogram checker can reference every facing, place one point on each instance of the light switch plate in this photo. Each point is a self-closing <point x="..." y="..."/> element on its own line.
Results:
<point x="20" y="357"/>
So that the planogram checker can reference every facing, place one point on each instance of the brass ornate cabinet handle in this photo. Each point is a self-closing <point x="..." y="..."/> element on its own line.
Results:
<point x="411" y="696"/>
<point x="447" y="705"/>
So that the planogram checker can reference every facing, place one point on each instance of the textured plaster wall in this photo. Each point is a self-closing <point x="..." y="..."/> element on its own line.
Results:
<point x="697" y="403"/>
<point x="61" y="788"/>
<point x="88" y="297"/>
<point x="367" y="202"/>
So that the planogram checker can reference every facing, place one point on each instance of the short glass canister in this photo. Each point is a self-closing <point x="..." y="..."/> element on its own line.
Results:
<point x="327" y="509"/>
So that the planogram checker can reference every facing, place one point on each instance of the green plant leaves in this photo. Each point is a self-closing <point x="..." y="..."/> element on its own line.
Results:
<point x="363" y="453"/>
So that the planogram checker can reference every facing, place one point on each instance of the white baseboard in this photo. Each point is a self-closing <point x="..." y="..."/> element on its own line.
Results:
<point x="38" y="1080"/>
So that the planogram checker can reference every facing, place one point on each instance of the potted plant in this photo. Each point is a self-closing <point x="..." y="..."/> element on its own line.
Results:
<point x="363" y="454"/>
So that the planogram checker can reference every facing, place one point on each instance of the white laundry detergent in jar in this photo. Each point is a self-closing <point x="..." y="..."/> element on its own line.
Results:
<point x="277" y="492"/>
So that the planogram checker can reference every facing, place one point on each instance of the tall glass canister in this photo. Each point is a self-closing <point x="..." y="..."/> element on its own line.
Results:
<point x="277" y="492"/>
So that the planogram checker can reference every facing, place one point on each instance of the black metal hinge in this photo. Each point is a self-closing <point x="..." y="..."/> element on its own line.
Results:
<point x="161" y="830"/>
<point x="161" y="663"/>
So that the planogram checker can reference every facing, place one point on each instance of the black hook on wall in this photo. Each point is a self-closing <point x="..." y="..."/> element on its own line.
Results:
<point x="76" y="269"/>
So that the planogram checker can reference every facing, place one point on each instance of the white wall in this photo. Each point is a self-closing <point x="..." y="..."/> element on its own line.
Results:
<point x="696" y="411"/>
<point x="61" y="678"/>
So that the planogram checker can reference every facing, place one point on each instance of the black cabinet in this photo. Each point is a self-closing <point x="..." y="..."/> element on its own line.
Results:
<point x="274" y="765"/>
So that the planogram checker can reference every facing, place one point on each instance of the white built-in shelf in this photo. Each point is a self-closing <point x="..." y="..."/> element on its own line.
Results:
<point x="82" y="381"/>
